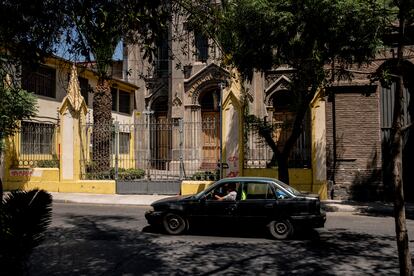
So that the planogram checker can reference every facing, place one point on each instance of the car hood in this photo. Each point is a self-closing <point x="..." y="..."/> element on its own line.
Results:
<point x="308" y="195"/>
<point x="171" y="199"/>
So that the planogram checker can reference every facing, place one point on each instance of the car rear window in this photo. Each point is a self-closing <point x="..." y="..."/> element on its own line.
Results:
<point x="252" y="190"/>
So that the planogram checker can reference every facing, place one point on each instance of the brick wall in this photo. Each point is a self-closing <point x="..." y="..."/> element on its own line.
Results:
<point x="357" y="173"/>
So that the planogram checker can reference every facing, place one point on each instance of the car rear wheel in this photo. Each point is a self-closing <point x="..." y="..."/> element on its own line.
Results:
<point x="281" y="229"/>
<point x="174" y="224"/>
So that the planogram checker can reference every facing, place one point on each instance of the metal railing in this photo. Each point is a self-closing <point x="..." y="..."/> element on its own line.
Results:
<point x="258" y="153"/>
<point x="36" y="145"/>
<point x="159" y="149"/>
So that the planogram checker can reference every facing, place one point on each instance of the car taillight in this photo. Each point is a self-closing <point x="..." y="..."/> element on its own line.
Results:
<point x="318" y="206"/>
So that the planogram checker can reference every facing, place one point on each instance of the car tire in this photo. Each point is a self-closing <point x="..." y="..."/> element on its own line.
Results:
<point x="280" y="229"/>
<point x="174" y="224"/>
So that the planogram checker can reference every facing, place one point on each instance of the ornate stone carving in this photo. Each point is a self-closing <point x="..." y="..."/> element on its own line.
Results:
<point x="73" y="94"/>
<point x="208" y="77"/>
<point x="176" y="101"/>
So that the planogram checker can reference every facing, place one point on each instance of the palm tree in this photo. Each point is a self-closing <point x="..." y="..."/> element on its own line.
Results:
<point x="97" y="29"/>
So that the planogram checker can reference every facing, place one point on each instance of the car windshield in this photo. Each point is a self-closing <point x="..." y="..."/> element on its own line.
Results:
<point x="288" y="188"/>
<point x="204" y="192"/>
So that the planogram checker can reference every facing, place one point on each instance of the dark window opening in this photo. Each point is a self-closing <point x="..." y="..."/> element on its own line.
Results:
<point x="124" y="102"/>
<point x="162" y="57"/>
<point x="41" y="81"/>
<point x="209" y="101"/>
<point x="201" y="46"/>
<point x="84" y="88"/>
<point x="114" y="99"/>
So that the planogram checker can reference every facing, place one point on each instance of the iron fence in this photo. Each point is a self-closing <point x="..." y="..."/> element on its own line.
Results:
<point x="258" y="153"/>
<point x="158" y="149"/>
<point x="36" y="145"/>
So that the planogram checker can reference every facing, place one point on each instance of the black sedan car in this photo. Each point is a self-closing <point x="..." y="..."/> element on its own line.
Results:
<point x="251" y="201"/>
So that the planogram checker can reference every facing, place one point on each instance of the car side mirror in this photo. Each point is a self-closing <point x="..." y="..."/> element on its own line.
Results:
<point x="203" y="199"/>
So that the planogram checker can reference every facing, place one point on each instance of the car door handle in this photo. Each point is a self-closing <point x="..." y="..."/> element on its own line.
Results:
<point x="268" y="206"/>
<point x="231" y="208"/>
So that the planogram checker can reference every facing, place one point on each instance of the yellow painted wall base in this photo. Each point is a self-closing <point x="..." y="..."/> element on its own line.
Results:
<point x="88" y="186"/>
<point x="48" y="179"/>
<point x="84" y="186"/>
<point x="189" y="187"/>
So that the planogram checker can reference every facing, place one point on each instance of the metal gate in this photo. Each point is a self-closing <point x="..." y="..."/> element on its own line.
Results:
<point x="152" y="157"/>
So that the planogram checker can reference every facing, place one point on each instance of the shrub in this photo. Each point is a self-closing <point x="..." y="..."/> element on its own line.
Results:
<point x="24" y="217"/>
<point x="207" y="175"/>
<point x="47" y="164"/>
<point x="130" y="174"/>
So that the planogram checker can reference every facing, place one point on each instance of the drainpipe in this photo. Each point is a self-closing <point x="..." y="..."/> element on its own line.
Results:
<point x="221" y="129"/>
<point x="333" y="144"/>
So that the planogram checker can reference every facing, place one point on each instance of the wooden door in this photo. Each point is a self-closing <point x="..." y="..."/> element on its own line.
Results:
<point x="162" y="142"/>
<point x="210" y="140"/>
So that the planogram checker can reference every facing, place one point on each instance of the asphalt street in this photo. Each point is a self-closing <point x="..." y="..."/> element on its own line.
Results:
<point x="89" y="239"/>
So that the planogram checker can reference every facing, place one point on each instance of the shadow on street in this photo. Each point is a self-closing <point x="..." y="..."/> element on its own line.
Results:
<point x="91" y="246"/>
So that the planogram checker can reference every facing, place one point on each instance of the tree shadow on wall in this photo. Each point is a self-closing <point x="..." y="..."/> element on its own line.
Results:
<point x="367" y="185"/>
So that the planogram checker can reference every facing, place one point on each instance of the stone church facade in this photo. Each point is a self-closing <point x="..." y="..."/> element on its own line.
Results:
<point x="193" y="87"/>
<point x="344" y="141"/>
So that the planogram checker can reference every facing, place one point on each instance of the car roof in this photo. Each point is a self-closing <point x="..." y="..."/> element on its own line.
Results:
<point x="248" y="178"/>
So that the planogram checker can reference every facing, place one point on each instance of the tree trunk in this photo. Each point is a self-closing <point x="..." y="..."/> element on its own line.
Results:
<point x="396" y="159"/>
<point x="399" y="205"/>
<point x="102" y="127"/>
<point x="283" y="168"/>
<point x="1" y="173"/>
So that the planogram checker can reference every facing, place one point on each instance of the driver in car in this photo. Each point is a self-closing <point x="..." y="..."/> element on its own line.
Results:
<point x="231" y="193"/>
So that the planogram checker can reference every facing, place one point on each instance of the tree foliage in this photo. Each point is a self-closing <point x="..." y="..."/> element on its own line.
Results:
<point x="96" y="28"/>
<point x="15" y="105"/>
<point x="29" y="32"/>
<point x="30" y="29"/>
<point x="318" y="39"/>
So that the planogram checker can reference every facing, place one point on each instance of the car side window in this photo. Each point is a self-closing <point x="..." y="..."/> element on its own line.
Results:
<point x="223" y="190"/>
<point x="281" y="194"/>
<point x="256" y="190"/>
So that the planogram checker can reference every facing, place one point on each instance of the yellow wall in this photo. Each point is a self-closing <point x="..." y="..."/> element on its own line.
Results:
<point x="88" y="186"/>
<point x="48" y="179"/>
<point x="189" y="187"/>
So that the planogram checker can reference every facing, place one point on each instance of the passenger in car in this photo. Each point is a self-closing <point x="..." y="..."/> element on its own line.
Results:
<point x="231" y="193"/>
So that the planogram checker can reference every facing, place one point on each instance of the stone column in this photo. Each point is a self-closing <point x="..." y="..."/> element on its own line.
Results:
<point x="232" y="136"/>
<point x="72" y="113"/>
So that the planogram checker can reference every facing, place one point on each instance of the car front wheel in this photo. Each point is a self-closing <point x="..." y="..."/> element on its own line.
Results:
<point x="281" y="229"/>
<point x="174" y="224"/>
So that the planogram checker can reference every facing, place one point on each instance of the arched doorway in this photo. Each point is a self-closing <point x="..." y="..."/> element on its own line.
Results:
<point x="209" y="101"/>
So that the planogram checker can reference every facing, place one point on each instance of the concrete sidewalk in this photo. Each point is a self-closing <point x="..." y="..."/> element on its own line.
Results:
<point x="328" y="205"/>
<point x="106" y="198"/>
